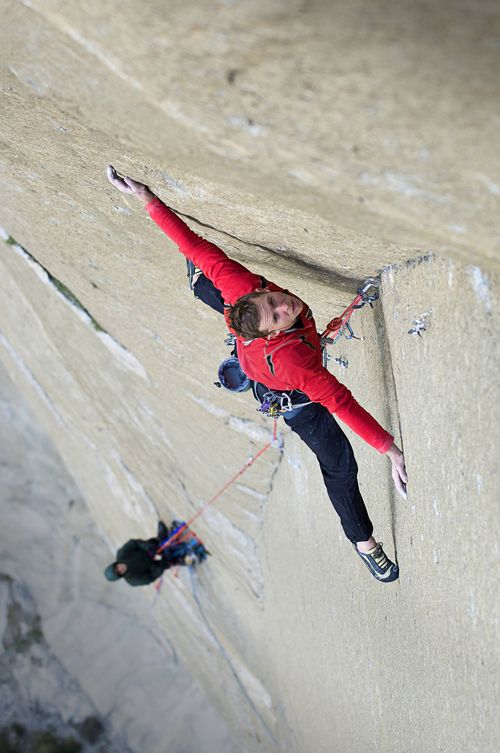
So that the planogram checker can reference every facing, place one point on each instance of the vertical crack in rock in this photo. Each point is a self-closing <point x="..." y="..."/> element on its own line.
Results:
<point x="283" y="252"/>
<point x="228" y="661"/>
<point x="390" y="389"/>
<point x="123" y="355"/>
<point x="384" y="344"/>
<point x="389" y="379"/>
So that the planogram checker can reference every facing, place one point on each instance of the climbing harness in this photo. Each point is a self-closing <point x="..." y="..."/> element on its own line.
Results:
<point x="275" y="404"/>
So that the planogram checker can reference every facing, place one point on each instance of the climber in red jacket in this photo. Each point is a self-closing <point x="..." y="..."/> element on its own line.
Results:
<point x="279" y="349"/>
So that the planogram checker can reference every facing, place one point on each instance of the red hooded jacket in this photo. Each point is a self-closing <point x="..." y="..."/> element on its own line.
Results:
<point x="292" y="359"/>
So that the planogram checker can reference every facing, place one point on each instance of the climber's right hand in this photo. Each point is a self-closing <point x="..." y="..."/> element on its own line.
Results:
<point x="399" y="475"/>
<point x="129" y="186"/>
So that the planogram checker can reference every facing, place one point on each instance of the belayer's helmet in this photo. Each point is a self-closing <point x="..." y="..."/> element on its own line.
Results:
<point x="232" y="377"/>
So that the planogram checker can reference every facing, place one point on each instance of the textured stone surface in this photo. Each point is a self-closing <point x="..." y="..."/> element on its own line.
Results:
<point x="82" y="650"/>
<point x="318" y="143"/>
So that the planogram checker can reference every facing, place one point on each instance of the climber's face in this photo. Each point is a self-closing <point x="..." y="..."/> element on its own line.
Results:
<point x="278" y="311"/>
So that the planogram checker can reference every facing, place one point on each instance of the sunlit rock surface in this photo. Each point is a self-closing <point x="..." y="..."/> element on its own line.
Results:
<point x="318" y="143"/>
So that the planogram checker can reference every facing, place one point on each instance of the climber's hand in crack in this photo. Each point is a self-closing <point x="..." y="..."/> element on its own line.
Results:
<point x="128" y="185"/>
<point x="398" y="469"/>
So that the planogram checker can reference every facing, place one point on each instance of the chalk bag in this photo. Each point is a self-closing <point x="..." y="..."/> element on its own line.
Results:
<point x="232" y="377"/>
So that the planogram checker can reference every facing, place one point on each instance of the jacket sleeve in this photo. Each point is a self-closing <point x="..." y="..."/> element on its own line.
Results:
<point x="322" y="387"/>
<point x="231" y="278"/>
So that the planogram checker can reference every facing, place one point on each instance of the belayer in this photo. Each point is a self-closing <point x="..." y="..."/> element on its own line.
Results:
<point x="278" y="348"/>
<point x="139" y="562"/>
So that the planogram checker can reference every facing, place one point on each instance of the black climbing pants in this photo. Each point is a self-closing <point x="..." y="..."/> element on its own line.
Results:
<point x="317" y="428"/>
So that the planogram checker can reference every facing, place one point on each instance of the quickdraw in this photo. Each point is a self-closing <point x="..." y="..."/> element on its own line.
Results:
<point x="337" y="327"/>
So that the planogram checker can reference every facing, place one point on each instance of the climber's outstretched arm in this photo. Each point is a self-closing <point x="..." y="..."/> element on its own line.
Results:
<point x="230" y="277"/>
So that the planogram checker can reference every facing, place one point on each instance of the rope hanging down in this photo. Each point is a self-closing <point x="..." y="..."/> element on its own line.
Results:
<point x="251" y="460"/>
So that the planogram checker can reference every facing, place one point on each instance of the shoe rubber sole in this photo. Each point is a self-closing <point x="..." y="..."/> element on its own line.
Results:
<point x="386" y="576"/>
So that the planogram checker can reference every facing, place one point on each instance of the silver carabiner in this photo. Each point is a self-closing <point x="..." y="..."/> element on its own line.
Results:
<point x="370" y="282"/>
<point x="285" y="402"/>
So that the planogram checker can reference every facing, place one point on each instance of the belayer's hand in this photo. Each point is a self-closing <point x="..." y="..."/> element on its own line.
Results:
<point x="398" y="469"/>
<point x="129" y="186"/>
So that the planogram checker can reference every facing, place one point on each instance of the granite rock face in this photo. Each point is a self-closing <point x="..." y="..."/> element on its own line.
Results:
<point x="319" y="144"/>
<point x="41" y="702"/>
<point x="79" y="663"/>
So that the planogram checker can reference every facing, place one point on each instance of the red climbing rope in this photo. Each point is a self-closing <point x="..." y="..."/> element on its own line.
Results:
<point x="216" y="496"/>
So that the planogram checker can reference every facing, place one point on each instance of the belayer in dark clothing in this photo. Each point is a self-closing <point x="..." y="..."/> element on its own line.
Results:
<point x="139" y="562"/>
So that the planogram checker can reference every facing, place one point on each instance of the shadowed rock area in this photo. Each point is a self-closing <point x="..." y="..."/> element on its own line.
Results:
<point x="80" y="669"/>
<point x="318" y="143"/>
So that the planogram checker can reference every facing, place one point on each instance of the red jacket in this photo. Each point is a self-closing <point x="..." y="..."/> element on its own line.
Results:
<point x="292" y="360"/>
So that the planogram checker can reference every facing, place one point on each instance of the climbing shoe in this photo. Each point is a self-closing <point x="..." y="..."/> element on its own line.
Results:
<point x="379" y="564"/>
<point x="193" y="273"/>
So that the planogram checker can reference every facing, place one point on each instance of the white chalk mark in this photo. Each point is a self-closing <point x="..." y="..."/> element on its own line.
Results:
<point x="481" y="286"/>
